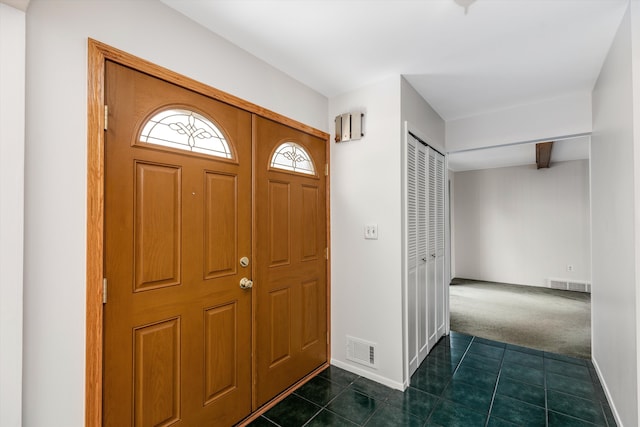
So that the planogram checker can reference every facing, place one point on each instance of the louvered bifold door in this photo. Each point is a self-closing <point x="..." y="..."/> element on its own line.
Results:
<point x="440" y="312"/>
<point x="431" y="243"/>
<point x="412" y="254"/>
<point x="422" y="196"/>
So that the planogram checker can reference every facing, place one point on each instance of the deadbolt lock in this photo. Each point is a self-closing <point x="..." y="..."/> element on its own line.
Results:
<point x="244" y="261"/>
<point x="246" y="283"/>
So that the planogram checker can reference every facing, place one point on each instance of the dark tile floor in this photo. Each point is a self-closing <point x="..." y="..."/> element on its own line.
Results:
<point x="465" y="381"/>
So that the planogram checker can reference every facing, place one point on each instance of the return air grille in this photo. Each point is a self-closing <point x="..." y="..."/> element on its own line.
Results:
<point x="360" y="351"/>
<point x="569" y="285"/>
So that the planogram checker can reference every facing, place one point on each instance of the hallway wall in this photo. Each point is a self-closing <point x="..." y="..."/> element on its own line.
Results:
<point x="12" y="86"/>
<point x="615" y="191"/>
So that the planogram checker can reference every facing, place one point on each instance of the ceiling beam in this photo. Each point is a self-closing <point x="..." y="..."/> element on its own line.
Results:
<point x="543" y="154"/>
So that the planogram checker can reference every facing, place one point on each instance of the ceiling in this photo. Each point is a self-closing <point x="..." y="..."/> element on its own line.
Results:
<point x="491" y="55"/>
<point x="498" y="54"/>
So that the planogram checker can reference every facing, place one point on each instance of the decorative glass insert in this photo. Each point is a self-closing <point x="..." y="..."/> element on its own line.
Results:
<point x="292" y="157"/>
<point x="185" y="130"/>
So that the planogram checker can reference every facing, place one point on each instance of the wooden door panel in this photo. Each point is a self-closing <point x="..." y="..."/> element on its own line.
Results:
<point x="309" y="237"/>
<point x="221" y="225"/>
<point x="156" y="385"/>
<point x="157" y="227"/>
<point x="311" y="320"/>
<point x="279" y="340"/>
<point x="221" y="351"/>
<point x="279" y="202"/>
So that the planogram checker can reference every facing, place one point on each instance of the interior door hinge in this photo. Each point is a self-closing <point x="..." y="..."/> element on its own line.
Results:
<point x="326" y="253"/>
<point x="104" y="290"/>
<point x="106" y="117"/>
<point x="327" y="337"/>
<point x="326" y="169"/>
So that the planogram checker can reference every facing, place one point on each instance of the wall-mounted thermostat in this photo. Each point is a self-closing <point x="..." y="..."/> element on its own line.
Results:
<point x="349" y="126"/>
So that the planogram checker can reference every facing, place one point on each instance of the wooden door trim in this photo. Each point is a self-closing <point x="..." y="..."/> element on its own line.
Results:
<point x="98" y="53"/>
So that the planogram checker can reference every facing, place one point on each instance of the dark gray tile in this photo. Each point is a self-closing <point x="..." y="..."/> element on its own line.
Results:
<point x="475" y="398"/>
<point x="338" y="376"/>
<point x="476" y="361"/>
<point x="292" y="411"/>
<point x="498" y="422"/>
<point x="489" y="342"/>
<point x="446" y="355"/>
<point x="371" y="388"/>
<point x="320" y="390"/>
<point x="522" y="373"/>
<point x="452" y="414"/>
<point x="565" y="358"/>
<point x="328" y="418"/>
<point x="442" y="369"/>
<point x="567" y="369"/>
<point x="486" y="350"/>
<point x="570" y="385"/>
<point x="560" y="420"/>
<point x="482" y="379"/>
<point x="522" y="391"/>
<point x="608" y="415"/>
<point x="413" y="401"/>
<point x="584" y="409"/>
<point x="429" y="382"/>
<point x="460" y="336"/>
<point x="524" y="359"/>
<point x="354" y="406"/>
<point x="262" y="422"/>
<point x="387" y="416"/>
<point x="525" y="350"/>
<point x="518" y="412"/>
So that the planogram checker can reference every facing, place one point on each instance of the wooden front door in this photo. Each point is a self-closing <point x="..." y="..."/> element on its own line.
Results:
<point x="290" y="257"/>
<point x="177" y="325"/>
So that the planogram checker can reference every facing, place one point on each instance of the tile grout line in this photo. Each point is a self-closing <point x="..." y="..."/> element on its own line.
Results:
<point x="495" y="388"/>
<point x="544" y="378"/>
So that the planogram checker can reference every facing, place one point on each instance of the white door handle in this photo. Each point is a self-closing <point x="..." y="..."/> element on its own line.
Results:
<point x="246" y="283"/>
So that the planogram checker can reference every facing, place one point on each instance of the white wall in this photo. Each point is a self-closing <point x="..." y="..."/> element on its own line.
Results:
<point x="56" y="158"/>
<point x="562" y="116"/>
<point x="12" y="81"/>
<point x="615" y="167"/>
<point x="422" y="119"/>
<point x="635" y="57"/>
<point x="366" y="274"/>
<point x="522" y="225"/>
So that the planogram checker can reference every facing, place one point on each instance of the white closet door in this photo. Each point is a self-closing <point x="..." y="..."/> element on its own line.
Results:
<point x="422" y="196"/>
<point x="412" y="254"/>
<point x="426" y="298"/>
<point x="440" y="313"/>
<point x="431" y="257"/>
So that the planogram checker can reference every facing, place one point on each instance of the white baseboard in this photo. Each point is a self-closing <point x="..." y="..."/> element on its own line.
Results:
<point x="367" y="374"/>
<point x="612" y="404"/>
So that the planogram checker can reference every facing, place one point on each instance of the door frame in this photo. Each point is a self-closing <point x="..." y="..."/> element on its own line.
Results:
<point x="98" y="53"/>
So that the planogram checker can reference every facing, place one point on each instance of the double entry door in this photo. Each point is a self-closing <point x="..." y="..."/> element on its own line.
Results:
<point x="425" y="216"/>
<point x="215" y="237"/>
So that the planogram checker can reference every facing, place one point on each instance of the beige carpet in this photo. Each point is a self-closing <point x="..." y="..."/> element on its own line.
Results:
<point x="544" y="319"/>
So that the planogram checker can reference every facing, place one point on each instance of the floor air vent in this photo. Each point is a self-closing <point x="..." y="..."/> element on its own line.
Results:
<point x="362" y="352"/>
<point x="568" y="285"/>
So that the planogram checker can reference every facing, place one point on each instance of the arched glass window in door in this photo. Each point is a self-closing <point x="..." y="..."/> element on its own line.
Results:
<point x="292" y="157"/>
<point x="185" y="130"/>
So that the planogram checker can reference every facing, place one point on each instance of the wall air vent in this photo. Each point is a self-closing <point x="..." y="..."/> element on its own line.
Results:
<point x="569" y="285"/>
<point x="361" y="351"/>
